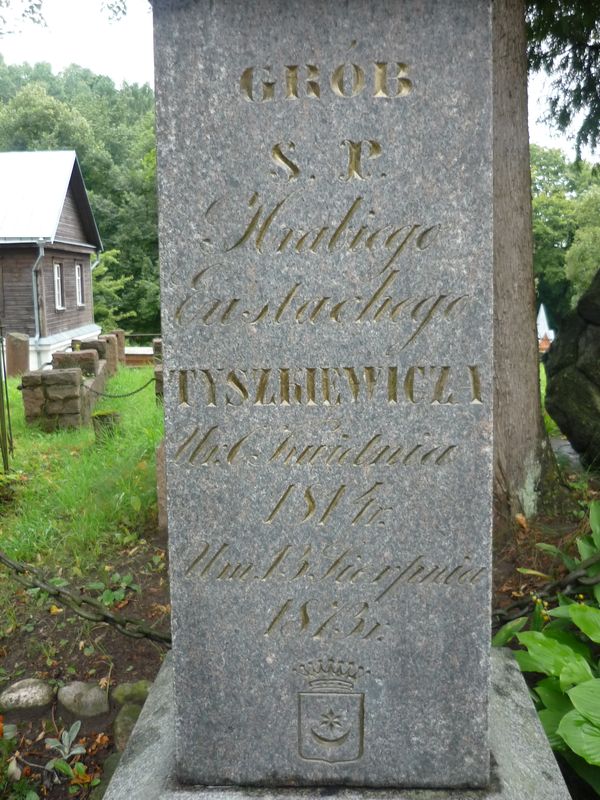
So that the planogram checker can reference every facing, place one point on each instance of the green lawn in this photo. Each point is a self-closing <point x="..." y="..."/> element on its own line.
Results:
<point x="75" y="499"/>
<point x="551" y="427"/>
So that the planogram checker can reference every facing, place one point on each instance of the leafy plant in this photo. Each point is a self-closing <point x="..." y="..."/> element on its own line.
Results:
<point x="65" y="746"/>
<point x="115" y="590"/>
<point x="68" y="751"/>
<point x="12" y="785"/>
<point x="563" y="645"/>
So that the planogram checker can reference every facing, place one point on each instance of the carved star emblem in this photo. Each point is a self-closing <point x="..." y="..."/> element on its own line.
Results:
<point x="330" y="720"/>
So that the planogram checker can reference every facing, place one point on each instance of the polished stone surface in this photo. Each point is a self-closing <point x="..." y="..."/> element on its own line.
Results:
<point x="327" y="328"/>
<point x="523" y="766"/>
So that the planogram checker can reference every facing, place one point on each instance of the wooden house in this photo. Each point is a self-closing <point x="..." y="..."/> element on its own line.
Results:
<point x="48" y="242"/>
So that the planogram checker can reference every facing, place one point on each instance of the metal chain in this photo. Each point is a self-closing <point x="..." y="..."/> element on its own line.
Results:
<point x="87" y="607"/>
<point x="115" y="396"/>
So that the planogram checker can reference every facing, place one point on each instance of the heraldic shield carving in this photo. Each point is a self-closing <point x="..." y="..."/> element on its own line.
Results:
<point x="330" y="714"/>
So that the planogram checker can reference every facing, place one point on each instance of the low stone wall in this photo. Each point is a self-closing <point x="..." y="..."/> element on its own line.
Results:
<point x="87" y="361"/>
<point x="107" y="348"/>
<point x="53" y="398"/>
<point x="65" y="396"/>
<point x="61" y="398"/>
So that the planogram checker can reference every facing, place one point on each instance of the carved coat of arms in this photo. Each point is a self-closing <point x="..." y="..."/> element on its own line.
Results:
<point x="330" y="714"/>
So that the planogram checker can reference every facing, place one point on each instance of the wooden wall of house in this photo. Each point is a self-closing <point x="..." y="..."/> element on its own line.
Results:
<point x="69" y="226"/>
<point x="16" y="292"/>
<point x="72" y="316"/>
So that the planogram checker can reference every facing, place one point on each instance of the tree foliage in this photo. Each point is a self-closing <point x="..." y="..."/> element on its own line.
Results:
<point x="564" y="41"/>
<point x="566" y="229"/>
<point x="112" y="131"/>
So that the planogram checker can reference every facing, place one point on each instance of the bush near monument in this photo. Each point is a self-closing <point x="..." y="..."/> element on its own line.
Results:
<point x="562" y="643"/>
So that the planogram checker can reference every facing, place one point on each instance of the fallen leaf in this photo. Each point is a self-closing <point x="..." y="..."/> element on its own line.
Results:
<point x="521" y="521"/>
<point x="55" y="610"/>
<point x="13" y="771"/>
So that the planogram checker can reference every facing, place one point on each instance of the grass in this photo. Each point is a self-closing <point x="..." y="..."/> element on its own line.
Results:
<point x="76" y="500"/>
<point x="552" y="428"/>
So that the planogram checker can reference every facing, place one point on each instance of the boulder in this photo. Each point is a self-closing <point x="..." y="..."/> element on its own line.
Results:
<point x="588" y="307"/>
<point x="28" y="694"/>
<point x="124" y="724"/>
<point x="131" y="692"/>
<point x="573" y="372"/>
<point x="83" y="699"/>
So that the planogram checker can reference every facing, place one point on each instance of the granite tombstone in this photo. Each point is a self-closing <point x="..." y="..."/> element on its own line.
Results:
<point x="326" y="229"/>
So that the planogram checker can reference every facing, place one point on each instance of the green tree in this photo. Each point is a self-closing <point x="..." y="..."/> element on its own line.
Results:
<point x="112" y="131"/>
<point x="554" y="184"/>
<point x="109" y="310"/>
<point x="583" y="257"/>
<point x="563" y="41"/>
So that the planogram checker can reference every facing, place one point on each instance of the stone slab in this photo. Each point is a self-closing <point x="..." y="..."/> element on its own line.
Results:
<point x="523" y="766"/>
<point x="17" y="354"/>
<point x="325" y="196"/>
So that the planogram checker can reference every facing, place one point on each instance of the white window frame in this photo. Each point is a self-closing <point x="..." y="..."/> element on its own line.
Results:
<point x="59" y="288"/>
<point x="79" y="285"/>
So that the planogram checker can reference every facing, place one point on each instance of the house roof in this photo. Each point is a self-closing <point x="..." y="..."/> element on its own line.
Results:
<point x="33" y="188"/>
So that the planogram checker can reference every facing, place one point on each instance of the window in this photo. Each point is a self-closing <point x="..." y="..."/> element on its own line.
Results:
<point x="59" y="287"/>
<point x="79" y="284"/>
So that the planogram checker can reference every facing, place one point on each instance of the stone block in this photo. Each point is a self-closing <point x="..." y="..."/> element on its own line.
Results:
<point x="68" y="377"/>
<point x="48" y="424"/>
<point x="60" y="391"/>
<point x="157" y="349"/>
<point x="112" y="353"/>
<point x="523" y="768"/>
<point x="33" y="402"/>
<point x="70" y="406"/>
<point x="329" y="396"/>
<point x="17" y="353"/>
<point x="86" y="360"/>
<point x="95" y="344"/>
<point x="158" y="381"/>
<point x="69" y="421"/>
<point x="120" y="334"/>
<point x="30" y="379"/>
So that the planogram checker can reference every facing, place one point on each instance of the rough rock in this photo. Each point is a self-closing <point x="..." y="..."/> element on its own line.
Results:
<point x="83" y="699"/>
<point x="108" y="770"/>
<point x="131" y="692"/>
<point x="573" y="371"/>
<point x="588" y="307"/>
<point x="30" y="693"/>
<point x="124" y="723"/>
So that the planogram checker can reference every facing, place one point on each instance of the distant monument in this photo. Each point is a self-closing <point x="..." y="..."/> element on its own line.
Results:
<point x="325" y="182"/>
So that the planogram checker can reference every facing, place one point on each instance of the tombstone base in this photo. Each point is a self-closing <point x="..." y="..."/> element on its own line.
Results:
<point x="523" y="764"/>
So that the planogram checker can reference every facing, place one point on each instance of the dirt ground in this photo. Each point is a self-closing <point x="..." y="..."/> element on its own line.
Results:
<point x="47" y="639"/>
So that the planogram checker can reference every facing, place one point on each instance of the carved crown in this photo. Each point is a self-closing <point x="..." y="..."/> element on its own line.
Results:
<point x="331" y="675"/>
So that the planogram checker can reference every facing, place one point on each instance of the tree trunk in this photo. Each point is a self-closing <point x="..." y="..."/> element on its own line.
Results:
<point x="522" y="454"/>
